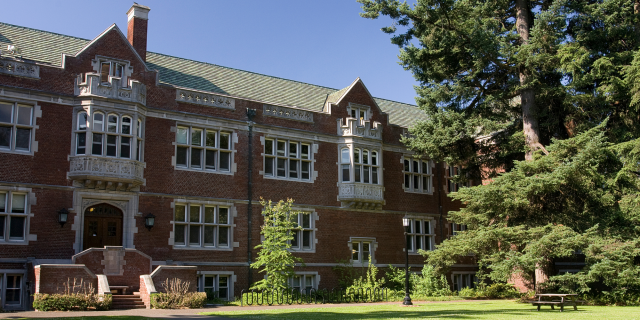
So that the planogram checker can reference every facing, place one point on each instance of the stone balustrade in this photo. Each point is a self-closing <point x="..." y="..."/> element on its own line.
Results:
<point x="361" y="195"/>
<point x="106" y="173"/>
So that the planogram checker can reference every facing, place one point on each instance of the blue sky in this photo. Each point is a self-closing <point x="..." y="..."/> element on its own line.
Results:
<point x="320" y="42"/>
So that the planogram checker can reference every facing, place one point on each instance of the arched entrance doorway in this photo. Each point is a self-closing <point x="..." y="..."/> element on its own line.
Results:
<point x="102" y="226"/>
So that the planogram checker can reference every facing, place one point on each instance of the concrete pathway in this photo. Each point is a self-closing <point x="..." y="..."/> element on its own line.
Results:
<point x="184" y="313"/>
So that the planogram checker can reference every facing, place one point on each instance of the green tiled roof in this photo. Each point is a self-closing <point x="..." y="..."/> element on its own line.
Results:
<point x="38" y="45"/>
<point x="48" y="47"/>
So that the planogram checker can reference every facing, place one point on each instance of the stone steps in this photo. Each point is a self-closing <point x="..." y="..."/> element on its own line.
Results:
<point x="127" y="301"/>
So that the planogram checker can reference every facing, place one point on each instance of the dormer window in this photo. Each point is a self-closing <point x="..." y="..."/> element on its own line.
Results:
<point x="110" y="69"/>
<point x="360" y="114"/>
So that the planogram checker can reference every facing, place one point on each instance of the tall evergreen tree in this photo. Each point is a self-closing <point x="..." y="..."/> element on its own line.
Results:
<point x="515" y="73"/>
<point x="501" y="79"/>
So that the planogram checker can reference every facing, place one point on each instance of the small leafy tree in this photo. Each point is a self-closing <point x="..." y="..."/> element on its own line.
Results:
<point x="274" y="258"/>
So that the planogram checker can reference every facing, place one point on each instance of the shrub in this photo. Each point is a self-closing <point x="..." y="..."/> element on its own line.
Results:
<point x="370" y="280"/>
<point x="395" y="278"/>
<point x="77" y="295"/>
<point x="74" y="301"/>
<point x="499" y="290"/>
<point x="430" y="284"/>
<point x="177" y="295"/>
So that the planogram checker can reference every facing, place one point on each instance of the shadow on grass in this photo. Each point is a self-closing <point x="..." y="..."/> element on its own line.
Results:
<point x="403" y="314"/>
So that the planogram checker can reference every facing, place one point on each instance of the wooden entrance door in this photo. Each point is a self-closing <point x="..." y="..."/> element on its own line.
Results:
<point x="102" y="226"/>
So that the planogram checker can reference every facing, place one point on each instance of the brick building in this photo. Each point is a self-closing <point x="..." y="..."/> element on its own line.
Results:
<point x="113" y="133"/>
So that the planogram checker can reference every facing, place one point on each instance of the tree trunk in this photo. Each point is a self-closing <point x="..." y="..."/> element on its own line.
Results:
<point x="527" y="96"/>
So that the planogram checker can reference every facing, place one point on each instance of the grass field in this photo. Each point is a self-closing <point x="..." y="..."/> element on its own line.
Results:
<point x="447" y="310"/>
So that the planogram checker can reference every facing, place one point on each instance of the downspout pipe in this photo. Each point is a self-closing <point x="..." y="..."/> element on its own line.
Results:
<point x="251" y="113"/>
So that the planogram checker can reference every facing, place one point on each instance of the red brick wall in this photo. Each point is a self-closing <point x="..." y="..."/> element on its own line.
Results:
<point x="185" y="273"/>
<point x="136" y="264"/>
<point x="61" y="278"/>
<point x="46" y="173"/>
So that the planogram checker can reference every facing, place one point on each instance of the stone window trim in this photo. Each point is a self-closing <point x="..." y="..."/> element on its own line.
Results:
<point x="14" y="124"/>
<point x="422" y="234"/>
<point x="125" y="68"/>
<point x="313" y="146"/>
<point x="313" y="217"/>
<point x="233" y="140"/>
<point x="350" y="165"/>
<point x="232" y="279"/>
<point x="6" y="195"/>
<point x="450" y="172"/>
<point x="4" y="285"/>
<point x="232" y="214"/>
<point x="463" y="279"/>
<point x="358" y="111"/>
<point x="84" y="128"/>
<point x="416" y="167"/>
<point x="373" y="245"/>
<point x="300" y="278"/>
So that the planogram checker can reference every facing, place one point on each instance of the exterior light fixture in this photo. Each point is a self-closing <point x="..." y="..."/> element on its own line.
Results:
<point x="406" y="222"/>
<point x="149" y="221"/>
<point x="63" y="216"/>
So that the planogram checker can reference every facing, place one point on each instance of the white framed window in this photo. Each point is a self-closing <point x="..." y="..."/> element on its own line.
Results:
<point x="454" y="228"/>
<point x="304" y="237"/>
<point x="288" y="159"/>
<point x="418" y="175"/>
<point x="358" y="113"/>
<point x="304" y="282"/>
<point x="14" y="216"/>
<point x="362" y="249"/>
<point x="203" y="149"/>
<point x="219" y="286"/>
<point x="202" y="226"/>
<point x="364" y="163"/>
<point x="453" y="172"/>
<point x="11" y="289"/>
<point x="111" y="69"/>
<point x="16" y="127"/>
<point x="108" y="134"/>
<point x="421" y="235"/>
<point x="461" y="280"/>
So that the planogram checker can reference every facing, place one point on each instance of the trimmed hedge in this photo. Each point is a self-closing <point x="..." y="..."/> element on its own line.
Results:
<point x="68" y="302"/>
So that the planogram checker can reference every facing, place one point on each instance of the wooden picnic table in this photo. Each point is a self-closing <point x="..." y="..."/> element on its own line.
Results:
<point x="556" y="299"/>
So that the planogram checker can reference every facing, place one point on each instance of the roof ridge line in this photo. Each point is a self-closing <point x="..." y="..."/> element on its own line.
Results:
<point x="414" y="105"/>
<point x="44" y="31"/>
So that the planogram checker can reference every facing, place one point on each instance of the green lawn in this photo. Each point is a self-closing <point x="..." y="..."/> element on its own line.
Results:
<point x="449" y="310"/>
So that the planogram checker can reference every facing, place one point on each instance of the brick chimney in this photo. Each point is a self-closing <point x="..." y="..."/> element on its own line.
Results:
<point x="138" y="17"/>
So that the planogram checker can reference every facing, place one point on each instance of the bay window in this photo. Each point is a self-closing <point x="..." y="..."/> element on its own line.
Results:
<point x="365" y="165"/>
<point x="109" y="134"/>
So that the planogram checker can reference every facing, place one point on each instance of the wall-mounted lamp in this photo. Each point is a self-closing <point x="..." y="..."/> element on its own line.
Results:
<point x="63" y="215"/>
<point x="149" y="221"/>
